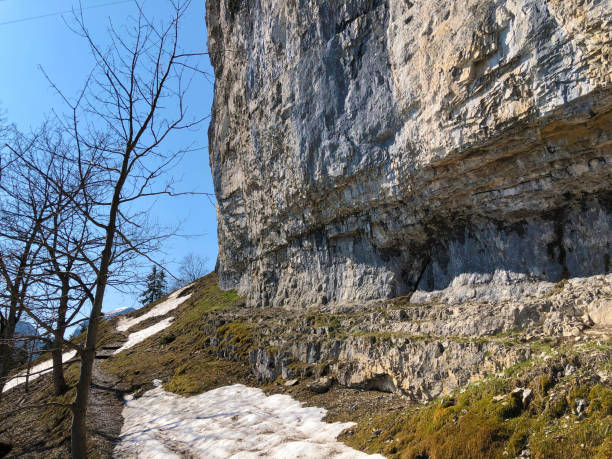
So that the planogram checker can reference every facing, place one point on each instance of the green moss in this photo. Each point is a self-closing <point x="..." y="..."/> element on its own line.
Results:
<point x="517" y="368"/>
<point x="184" y="341"/>
<point x="518" y="440"/>
<point x="181" y="355"/>
<point x="598" y="345"/>
<point x="511" y="407"/>
<point x="447" y="402"/>
<point x="324" y="320"/>
<point x="206" y="298"/>
<point x="197" y="376"/>
<point x="600" y="400"/>
<point x="545" y="382"/>
<point x="570" y="438"/>
<point x="556" y="408"/>
<point x="541" y="346"/>
<point x="578" y="391"/>
<point x="238" y="334"/>
<point x="167" y="338"/>
<point x="473" y="424"/>
<point x="465" y="425"/>
<point x="230" y="295"/>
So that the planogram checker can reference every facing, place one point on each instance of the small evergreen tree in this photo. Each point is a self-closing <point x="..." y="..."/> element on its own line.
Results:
<point x="155" y="286"/>
<point x="162" y="284"/>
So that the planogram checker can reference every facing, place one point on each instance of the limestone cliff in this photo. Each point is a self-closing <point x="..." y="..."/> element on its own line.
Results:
<point x="366" y="149"/>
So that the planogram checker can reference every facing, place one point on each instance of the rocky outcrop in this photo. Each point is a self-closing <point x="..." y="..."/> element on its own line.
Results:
<point x="420" y="351"/>
<point x="366" y="149"/>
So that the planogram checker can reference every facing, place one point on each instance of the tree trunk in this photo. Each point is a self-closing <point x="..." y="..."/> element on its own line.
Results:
<point x="79" y="427"/>
<point x="5" y="354"/>
<point x="6" y="350"/>
<point x="5" y="358"/>
<point x="59" y="381"/>
<point x="79" y="409"/>
<point x="88" y="355"/>
<point x="29" y="370"/>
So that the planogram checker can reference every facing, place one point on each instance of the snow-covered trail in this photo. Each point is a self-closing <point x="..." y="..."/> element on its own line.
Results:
<point x="141" y="335"/>
<point x="228" y="422"/>
<point x="172" y="302"/>
<point x="36" y="371"/>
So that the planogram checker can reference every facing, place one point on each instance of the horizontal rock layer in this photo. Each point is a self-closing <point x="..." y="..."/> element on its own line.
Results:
<point x="420" y="351"/>
<point x="366" y="149"/>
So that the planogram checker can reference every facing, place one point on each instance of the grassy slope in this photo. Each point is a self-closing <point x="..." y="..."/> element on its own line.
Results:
<point x="179" y="353"/>
<point x="475" y="423"/>
<point x="468" y="424"/>
<point x="43" y="431"/>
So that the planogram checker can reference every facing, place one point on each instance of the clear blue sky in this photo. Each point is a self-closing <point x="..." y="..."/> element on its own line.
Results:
<point x="31" y="35"/>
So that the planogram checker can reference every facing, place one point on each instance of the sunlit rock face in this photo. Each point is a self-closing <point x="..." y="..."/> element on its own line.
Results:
<point x="366" y="149"/>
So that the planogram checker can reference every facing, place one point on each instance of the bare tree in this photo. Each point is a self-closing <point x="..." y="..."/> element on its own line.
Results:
<point x="23" y="210"/>
<point x="191" y="268"/>
<point x="60" y="284"/>
<point x="67" y="279"/>
<point x="132" y="103"/>
<point x="94" y="223"/>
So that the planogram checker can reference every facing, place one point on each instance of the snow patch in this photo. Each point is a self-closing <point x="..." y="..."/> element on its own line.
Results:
<point x="161" y="309"/>
<point x="228" y="422"/>
<point x="36" y="371"/>
<point x="143" y="334"/>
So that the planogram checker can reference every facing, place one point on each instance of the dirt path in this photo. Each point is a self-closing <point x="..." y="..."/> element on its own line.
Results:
<point x="105" y="407"/>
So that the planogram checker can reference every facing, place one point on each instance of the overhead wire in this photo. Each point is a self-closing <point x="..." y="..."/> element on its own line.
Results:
<point x="59" y="13"/>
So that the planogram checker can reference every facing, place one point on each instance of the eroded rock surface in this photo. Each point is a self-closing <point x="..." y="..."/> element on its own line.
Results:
<point x="421" y="351"/>
<point x="367" y="149"/>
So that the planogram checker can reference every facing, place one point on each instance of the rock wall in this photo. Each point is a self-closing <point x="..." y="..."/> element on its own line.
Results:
<point x="366" y="149"/>
<point x="420" y="351"/>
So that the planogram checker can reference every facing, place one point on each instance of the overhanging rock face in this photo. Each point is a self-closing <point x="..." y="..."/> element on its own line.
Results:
<point x="366" y="149"/>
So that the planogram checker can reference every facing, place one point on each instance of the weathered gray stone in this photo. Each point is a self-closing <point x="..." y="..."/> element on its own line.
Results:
<point x="419" y="350"/>
<point x="600" y="311"/>
<point x="321" y="385"/>
<point x="366" y="149"/>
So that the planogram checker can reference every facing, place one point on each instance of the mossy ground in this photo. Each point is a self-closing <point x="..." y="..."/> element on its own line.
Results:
<point x="209" y="342"/>
<point x="181" y="354"/>
<point x="43" y="430"/>
<point x="475" y="423"/>
<point x="177" y="355"/>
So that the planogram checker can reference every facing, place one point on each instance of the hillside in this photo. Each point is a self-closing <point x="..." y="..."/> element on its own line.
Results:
<point x="414" y="221"/>
<point x="432" y="393"/>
